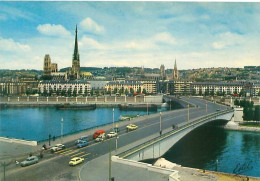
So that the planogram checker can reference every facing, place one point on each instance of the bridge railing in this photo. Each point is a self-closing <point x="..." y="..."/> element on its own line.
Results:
<point x="170" y="133"/>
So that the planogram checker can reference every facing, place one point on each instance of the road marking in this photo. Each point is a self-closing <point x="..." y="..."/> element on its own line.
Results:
<point x="85" y="155"/>
<point x="77" y="154"/>
<point x="63" y="151"/>
<point x="68" y="153"/>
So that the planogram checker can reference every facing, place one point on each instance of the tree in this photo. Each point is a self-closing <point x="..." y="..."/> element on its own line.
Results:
<point x="206" y="92"/>
<point x="58" y="92"/>
<point x="45" y="92"/>
<point x="97" y="92"/>
<point x="132" y="90"/>
<point x="126" y="91"/>
<point x="241" y="93"/>
<point x="212" y="92"/>
<point x="115" y="91"/>
<point x="257" y="113"/>
<point x="50" y="92"/>
<point x="144" y="91"/>
<point x="92" y="92"/>
<point x="63" y="92"/>
<point x="258" y="93"/>
<point x="236" y="102"/>
<point x="139" y="90"/>
<point x="69" y="92"/>
<point x="193" y="92"/>
<point x="200" y="92"/>
<point x="28" y="92"/>
<point x="74" y="93"/>
<point x="80" y="91"/>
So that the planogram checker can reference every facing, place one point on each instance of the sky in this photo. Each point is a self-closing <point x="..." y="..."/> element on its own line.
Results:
<point x="132" y="34"/>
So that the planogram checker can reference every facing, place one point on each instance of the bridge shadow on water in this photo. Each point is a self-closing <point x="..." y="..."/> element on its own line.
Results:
<point x="199" y="148"/>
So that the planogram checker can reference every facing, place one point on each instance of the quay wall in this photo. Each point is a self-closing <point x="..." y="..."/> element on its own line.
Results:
<point x="19" y="141"/>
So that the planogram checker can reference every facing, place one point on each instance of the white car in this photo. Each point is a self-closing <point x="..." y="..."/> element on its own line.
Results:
<point x="100" y="138"/>
<point x="111" y="134"/>
<point x="57" y="147"/>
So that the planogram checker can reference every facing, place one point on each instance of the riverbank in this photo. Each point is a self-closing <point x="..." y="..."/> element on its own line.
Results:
<point x="231" y="125"/>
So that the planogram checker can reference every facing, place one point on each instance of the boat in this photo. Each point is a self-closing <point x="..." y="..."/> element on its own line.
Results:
<point x="77" y="106"/>
<point x="138" y="107"/>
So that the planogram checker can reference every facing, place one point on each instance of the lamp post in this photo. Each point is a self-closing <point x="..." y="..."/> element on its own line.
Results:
<point x="170" y="104"/>
<point x="61" y="129"/>
<point x="188" y="112"/>
<point x="147" y="108"/>
<point x="109" y="161"/>
<point x="113" y="118"/>
<point x="160" y="123"/>
<point x="206" y="106"/>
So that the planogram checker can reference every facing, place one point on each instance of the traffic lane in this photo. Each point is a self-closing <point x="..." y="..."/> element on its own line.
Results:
<point x="44" y="170"/>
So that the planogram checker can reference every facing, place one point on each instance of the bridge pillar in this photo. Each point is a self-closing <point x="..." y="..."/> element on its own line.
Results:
<point x="238" y="114"/>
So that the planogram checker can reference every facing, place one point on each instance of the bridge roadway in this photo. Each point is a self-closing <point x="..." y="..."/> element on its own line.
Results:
<point x="57" y="168"/>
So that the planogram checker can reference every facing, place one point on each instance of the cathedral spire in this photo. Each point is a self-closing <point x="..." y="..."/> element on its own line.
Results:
<point x="175" y="73"/>
<point x="76" y="49"/>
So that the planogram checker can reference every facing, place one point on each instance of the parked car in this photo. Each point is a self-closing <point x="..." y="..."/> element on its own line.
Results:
<point x="29" y="161"/>
<point x="75" y="161"/>
<point x="111" y="134"/>
<point x="57" y="147"/>
<point x="131" y="127"/>
<point x="82" y="144"/>
<point x="97" y="133"/>
<point x="82" y="138"/>
<point x="100" y="138"/>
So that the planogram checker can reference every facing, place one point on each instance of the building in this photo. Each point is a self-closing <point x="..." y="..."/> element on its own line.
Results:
<point x="162" y="72"/>
<point x="181" y="87"/>
<point x="175" y="73"/>
<point x="79" y="86"/>
<point x="126" y="86"/>
<point x="150" y="86"/>
<point x="220" y="88"/>
<point x="75" y="71"/>
<point x="256" y="89"/>
<point x="48" y="67"/>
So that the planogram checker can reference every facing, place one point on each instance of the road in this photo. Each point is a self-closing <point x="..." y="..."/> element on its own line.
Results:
<point x="57" y="168"/>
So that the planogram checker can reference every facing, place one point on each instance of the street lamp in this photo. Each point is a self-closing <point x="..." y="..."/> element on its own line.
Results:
<point x="206" y="106"/>
<point x="113" y="118"/>
<point x="61" y="130"/>
<point x="160" y="123"/>
<point x="188" y="112"/>
<point x="147" y="108"/>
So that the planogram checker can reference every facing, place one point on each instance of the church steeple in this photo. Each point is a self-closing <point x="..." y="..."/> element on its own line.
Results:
<point x="75" y="59"/>
<point x="175" y="73"/>
<point x="76" y="49"/>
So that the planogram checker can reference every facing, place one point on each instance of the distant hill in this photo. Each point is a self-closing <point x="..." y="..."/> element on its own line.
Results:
<point x="84" y="69"/>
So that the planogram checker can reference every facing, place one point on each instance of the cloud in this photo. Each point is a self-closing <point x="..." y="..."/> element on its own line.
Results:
<point x="165" y="37"/>
<point x="89" y="43"/>
<point x="11" y="45"/>
<point x="227" y="39"/>
<point x="53" y="30"/>
<point x="16" y="13"/>
<point x="91" y="26"/>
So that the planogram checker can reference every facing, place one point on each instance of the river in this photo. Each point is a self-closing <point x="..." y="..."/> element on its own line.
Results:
<point x="212" y="147"/>
<point x="36" y="123"/>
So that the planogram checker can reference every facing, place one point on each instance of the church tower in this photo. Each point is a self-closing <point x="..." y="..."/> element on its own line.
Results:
<point x="75" y="59"/>
<point x="47" y="66"/>
<point x="162" y="72"/>
<point x="175" y="73"/>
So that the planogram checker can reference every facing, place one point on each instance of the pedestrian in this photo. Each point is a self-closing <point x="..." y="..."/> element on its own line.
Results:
<point x="53" y="138"/>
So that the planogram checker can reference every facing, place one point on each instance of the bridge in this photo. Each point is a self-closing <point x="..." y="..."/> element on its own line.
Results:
<point x="154" y="136"/>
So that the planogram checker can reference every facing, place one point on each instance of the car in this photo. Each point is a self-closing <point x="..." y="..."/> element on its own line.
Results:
<point x="57" y="147"/>
<point x="29" y="161"/>
<point x="82" y="138"/>
<point x="97" y="133"/>
<point x="82" y="144"/>
<point x="100" y="138"/>
<point x="75" y="161"/>
<point x="111" y="134"/>
<point x="131" y="127"/>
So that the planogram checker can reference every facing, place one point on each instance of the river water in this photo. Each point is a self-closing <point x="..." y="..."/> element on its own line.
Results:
<point x="37" y="123"/>
<point x="212" y="147"/>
